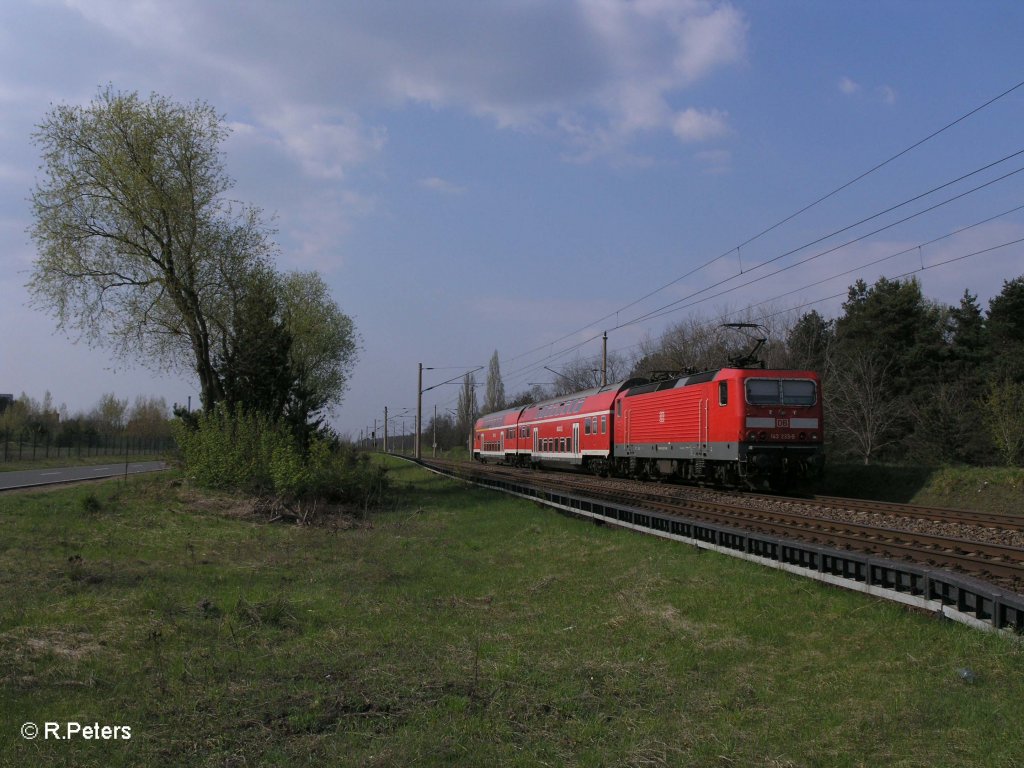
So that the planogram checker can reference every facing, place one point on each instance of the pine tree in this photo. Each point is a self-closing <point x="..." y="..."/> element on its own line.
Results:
<point x="1006" y="331"/>
<point x="968" y="343"/>
<point x="257" y="375"/>
<point x="809" y="340"/>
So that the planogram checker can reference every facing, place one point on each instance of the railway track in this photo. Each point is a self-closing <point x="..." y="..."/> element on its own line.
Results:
<point x="988" y="548"/>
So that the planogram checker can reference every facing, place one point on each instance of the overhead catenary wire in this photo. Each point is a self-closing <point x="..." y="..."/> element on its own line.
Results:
<point x="675" y="305"/>
<point x="853" y="270"/>
<point x="786" y="219"/>
<point x="671" y="308"/>
<point x="830" y="297"/>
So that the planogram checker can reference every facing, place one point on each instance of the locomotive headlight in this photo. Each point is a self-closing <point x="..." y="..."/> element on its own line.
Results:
<point x="751" y="435"/>
<point x="803" y="435"/>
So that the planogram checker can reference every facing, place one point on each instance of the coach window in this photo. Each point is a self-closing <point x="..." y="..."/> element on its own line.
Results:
<point x="723" y="393"/>
<point x="586" y="426"/>
<point x="604" y="425"/>
<point x="618" y="407"/>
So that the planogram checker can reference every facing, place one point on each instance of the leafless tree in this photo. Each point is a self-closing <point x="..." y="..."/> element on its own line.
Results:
<point x="1003" y="407"/>
<point x="585" y="373"/>
<point x="860" y="408"/>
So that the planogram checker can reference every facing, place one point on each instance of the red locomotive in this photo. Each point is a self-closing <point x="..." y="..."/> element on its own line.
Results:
<point x="730" y="426"/>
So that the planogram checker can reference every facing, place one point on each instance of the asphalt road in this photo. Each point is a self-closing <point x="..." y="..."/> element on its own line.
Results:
<point x="30" y="477"/>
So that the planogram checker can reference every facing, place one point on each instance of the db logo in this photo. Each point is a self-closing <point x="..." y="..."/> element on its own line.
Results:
<point x="782" y="423"/>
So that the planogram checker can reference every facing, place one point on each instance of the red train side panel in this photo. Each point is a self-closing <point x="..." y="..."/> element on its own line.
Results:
<point x="571" y="430"/>
<point x="495" y="435"/>
<point x="727" y="425"/>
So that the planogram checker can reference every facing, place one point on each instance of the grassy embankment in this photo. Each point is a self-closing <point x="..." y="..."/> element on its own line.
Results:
<point x="986" y="489"/>
<point x="463" y="628"/>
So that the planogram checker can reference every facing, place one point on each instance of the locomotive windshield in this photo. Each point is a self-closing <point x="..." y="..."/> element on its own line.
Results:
<point x="780" y="392"/>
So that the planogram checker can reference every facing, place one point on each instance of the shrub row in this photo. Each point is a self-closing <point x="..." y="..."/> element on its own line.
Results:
<point x="233" y="449"/>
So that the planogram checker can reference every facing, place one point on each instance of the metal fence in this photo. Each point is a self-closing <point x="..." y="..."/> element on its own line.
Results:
<point x="22" y="446"/>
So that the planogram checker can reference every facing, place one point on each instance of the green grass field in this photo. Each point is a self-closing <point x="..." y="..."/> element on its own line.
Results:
<point x="459" y="627"/>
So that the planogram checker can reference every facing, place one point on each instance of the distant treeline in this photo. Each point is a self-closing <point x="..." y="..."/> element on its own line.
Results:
<point x="28" y="419"/>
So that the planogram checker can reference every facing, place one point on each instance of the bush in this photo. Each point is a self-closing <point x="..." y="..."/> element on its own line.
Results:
<point x="350" y="477"/>
<point x="228" y="449"/>
<point x="232" y="449"/>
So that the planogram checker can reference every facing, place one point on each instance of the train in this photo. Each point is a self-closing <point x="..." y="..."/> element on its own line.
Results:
<point x="739" y="427"/>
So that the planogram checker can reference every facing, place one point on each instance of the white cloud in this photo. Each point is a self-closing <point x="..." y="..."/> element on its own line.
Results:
<point x="884" y="92"/>
<point x="608" y="68"/>
<point x="848" y="86"/>
<point x="325" y="145"/>
<point x="654" y="50"/>
<point x="709" y="39"/>
<point x="695" y="125"/>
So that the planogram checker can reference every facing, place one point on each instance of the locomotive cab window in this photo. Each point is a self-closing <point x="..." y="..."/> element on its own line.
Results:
<point x="798" y="392"/>
<point x="723" y="393"/>
<point x="781" y="392"/>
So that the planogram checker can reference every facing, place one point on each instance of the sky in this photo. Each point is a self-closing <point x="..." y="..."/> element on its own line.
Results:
<point x="520" y="176"/>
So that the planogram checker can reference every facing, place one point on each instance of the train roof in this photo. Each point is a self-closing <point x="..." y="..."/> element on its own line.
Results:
<point x="612" y="389"/>
<point x="679" y="381"/>
<point x="705" y="376"/>
<point x="497" y="419"/>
